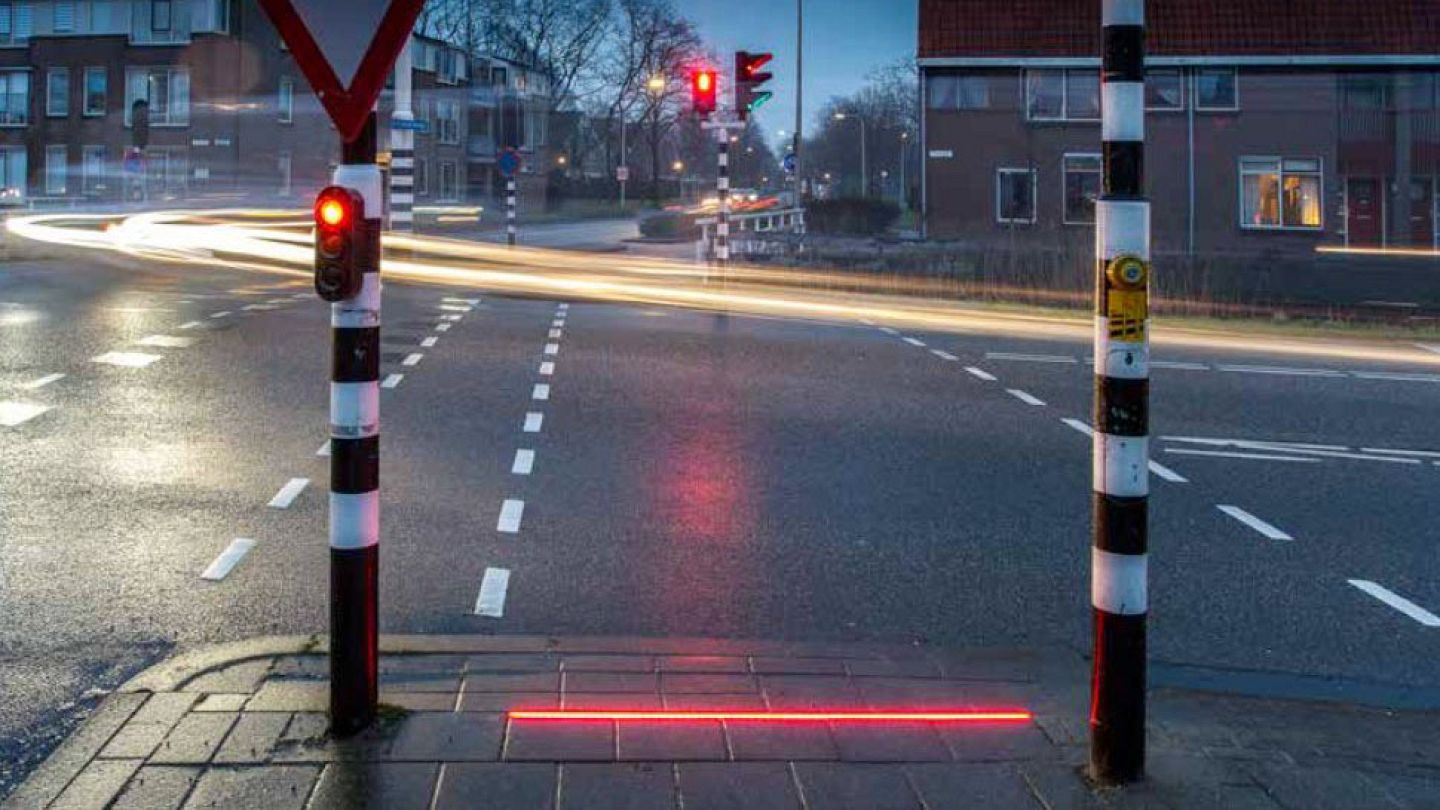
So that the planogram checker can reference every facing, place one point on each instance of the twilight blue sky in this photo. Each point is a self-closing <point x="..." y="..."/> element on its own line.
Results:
<point x="844" y="41"/>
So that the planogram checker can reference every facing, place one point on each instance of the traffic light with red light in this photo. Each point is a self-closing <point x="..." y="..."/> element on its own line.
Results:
<point x="749" y="77"/>
<point x="339" y="243"/>
<point x="704" y="90"/>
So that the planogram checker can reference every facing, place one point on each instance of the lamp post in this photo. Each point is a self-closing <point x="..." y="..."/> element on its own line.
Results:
<point x="904" y="158"/>
<point x="655" y="86"/>
<point x="864" y="160"/>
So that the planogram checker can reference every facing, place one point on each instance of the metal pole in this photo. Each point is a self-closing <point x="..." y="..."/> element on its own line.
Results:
<point x="355" y="460"/>
<point x="402" y="147"/>
<point x="722" y="187"/>
<point x="799" y="97"/>
<point x="864" y="161"/>
<point x="1119" y="555"/>
<point x="510" y="211"/>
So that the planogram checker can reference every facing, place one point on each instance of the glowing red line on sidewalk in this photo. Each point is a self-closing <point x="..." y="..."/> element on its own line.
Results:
<point x="1000" y="715"/>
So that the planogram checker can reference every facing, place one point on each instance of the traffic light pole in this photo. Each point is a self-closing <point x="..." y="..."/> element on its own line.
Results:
<point x="355" y="459"/>
<point x="1119" y="555"/>
<point x="722" y="189"/>
<point x="402" y="147"/>
<point x="510" y="211"/>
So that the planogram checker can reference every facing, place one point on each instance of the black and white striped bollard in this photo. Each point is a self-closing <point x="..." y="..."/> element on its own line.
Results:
<point x="510" y="211"/>
<point x="1119" y="557"/>
<point x="355" y="461"/>
<point x="722" y="188"/>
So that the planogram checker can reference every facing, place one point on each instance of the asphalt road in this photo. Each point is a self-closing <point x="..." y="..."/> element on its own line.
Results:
<point x="692" y="474"/>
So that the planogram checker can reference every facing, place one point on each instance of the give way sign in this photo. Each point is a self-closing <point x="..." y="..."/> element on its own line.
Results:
<point x="345" y="49"/>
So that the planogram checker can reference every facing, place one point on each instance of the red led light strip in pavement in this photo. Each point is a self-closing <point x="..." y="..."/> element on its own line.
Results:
<point x="980" y="716"/>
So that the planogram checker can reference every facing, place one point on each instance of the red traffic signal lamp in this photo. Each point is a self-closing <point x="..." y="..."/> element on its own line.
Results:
<point x="339" y="219"/>
<point x="749" y="77"/>
<point x="704" y="91"/>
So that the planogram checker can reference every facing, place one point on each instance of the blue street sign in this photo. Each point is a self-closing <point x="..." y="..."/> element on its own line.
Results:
<point x="508" y="163"/>
<point x="134" y="161"/>
<point x="412" y="124"/>
<point x="789" y="163"/>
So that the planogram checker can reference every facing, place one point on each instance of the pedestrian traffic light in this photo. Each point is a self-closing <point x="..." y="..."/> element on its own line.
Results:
<point x="748" y="79"/>
<point x="339" y="217"/>
<point x="704" y="85"/>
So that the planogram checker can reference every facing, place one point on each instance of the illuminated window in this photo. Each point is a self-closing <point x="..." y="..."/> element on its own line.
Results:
<point x="1281" y="193"/>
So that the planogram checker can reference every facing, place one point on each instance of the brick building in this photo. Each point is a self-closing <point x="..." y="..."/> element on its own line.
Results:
<point x="231" y="116"/>
<point x="1272" y="127"/>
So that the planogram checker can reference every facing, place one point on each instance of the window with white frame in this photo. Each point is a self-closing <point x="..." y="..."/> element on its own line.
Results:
<point x="287" y="174"/>
<point x="56" y="170"/>
<point x="1062" y="95"/>
<point x="17" y="21"/>
<point x="57" y="92"/>
<point x="447" y="122"/>
<point x="1015" y="195"/>
<point x="92" y="169"/>
<point x="1217" y="89"/>
<point x="958" y="92"/>
<point x="161" y="15"/>
<point x="64" y="20"/>
<point x="1281" y="193"/>
<point x="1082" y="188"/>
<point x="14" y="165"/>
<point x="210" y="16"/>
<point x="97" y="90"/>
<point x="286" y="101"/>
<point x="1164" y="89"/>
<point x="14" y="98"/>
<point x="449" y="190"/>
<point x="167" y="90"/>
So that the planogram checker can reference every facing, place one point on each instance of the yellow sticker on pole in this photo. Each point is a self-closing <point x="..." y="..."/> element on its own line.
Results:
<point x="1127" y="301"/>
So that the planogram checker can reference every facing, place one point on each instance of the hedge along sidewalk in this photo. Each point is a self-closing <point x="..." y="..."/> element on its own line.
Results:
<point x="243" y="725"/>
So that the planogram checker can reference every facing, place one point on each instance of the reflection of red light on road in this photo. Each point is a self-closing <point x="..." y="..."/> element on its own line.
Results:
<point x="969" y="716"/>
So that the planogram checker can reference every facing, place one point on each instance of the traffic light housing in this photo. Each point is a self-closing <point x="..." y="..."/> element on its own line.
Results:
<point x="704" y="91"/>
<point x="339" y="243"/>
<point x="749" y="78"/>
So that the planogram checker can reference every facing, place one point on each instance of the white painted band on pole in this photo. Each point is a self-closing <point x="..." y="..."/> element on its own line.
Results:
<point x="1123" y="360"/>
<point x="402" y="198"/>
<point x="354" y="409"/>
<point x="1122" y="111"/>
<point x="366" y="179"/>
<point x="361" y="311"/>
<point x="1122" y="12"/>
<point x="1118" y="583"/>
<point x="402" y="162"/>
<point x="354" y="520"/>
<point x="1123" y="228"/>
<point x="1121" y="465"/>
<point x="723" y="183"/>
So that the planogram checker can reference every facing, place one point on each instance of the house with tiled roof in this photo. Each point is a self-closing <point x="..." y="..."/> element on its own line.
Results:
<point x="1272" y="126"/>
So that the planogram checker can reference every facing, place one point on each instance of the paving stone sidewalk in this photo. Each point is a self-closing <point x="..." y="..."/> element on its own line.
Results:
<point x="244" y="726"/>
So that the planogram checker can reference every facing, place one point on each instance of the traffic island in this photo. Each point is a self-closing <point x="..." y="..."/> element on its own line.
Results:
<point x="703" y="724"/>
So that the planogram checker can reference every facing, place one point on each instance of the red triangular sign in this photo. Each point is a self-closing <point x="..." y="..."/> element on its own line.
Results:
<point x="345" y="49"/>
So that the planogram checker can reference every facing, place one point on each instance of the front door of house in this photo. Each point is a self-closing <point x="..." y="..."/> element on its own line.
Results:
<point x="1362" y="204"/>
<point x="1422" y="212"/>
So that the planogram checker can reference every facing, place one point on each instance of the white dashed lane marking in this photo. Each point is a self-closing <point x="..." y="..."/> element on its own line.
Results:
<point x="14" y="414"/>
<point x="1280" y="371"/>
<point x="1167" y="473"/>
<point x="167" y="341"/>
<point x="547" y="369"/>
<point x="452" y="317"/>
<point x="221" y="314"/>
<point x="1031" y="358"/>
<point x="889" y="331"/>
<point x="541" y="392"/>
<point x="1024" y="397"/>
<point x="1243" y="456"/>
<point x="524" y="462"/>
<point x="442" y="327"/>
<point x="42" y="382"/>
<point x="552" y="349"/>
<point x="412" y="360"/>
<point x="556" y="333"/>
<point x="1398" y="602"/>
<point x="469" y="301"/>
<point x="289" y="493"/>
<point x="491" y="601"/>
<point x="980" y="374"/>
<point x="916" y="342"/>
<point x="1079" y="426"/>
<point x="533" y="421"/>
<point x="392" y="381"/>
<point x="511" y="513"/>
<point x="946" y="356"/>
<point x="192" y="324"/>
<point x="324" y="449"/>
<point x="127" y="359"/>
<point x="1253" y="522"/>
<point x="429" y="342"/>
<point x="228" y="559"/>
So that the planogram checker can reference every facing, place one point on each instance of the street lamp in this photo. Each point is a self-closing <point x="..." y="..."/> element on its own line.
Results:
<point x="864" y="158"/>
<point x="656" y="85"/>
